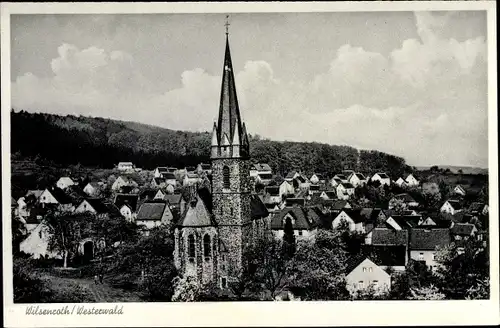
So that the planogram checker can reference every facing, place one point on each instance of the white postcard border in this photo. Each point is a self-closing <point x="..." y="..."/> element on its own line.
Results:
<point x="258" y="313"/>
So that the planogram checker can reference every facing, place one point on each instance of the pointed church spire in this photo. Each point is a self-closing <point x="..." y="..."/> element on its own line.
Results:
<point x="229" y="112"/>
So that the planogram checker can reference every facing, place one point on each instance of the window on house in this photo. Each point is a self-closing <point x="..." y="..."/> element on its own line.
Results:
<point x="421" y="256"/>
<point x="300" y="232"/>
<point x="232" y="211"/>
<point x="225" y="177"/>
<point x="370" y="269"/>
<point x="360" y="284"/>
<point x="364" y="269"/>
<point x="224" y="282"/>
<point x="206" y="246"/>
<point x="375" y="283"/>
<point x="191" y="248"/>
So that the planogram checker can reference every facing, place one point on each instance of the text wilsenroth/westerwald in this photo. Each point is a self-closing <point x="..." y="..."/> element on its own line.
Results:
<point x="75" y="309"/>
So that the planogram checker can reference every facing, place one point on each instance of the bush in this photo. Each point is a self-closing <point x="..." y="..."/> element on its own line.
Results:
<point x="28" y="285"/>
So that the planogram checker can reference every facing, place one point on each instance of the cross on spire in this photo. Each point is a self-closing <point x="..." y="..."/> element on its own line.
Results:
<point x="227" y="24"/>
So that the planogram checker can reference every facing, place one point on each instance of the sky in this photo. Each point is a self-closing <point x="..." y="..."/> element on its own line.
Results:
<point x="413" y="84"/>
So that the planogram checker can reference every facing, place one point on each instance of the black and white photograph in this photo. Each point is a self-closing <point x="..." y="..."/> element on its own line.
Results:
<point x="243" y="156"/>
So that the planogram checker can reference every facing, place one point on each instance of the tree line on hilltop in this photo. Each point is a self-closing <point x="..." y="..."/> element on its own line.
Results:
<point x="99" y="142"/>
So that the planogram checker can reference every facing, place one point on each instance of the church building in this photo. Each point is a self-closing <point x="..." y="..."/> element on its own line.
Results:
<point x="211" y="234"/>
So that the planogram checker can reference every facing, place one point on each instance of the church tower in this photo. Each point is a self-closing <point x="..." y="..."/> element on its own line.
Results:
<point x="230" y="176"/>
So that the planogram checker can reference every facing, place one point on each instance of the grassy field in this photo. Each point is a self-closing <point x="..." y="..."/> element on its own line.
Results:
<point x="71" y="289"/>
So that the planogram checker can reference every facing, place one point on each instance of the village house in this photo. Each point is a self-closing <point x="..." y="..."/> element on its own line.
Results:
<point x="273" y="193"/>
<point x="411" y="181"/>
<point x="36" y="243"/>
<point x="400" y="182"/>
<point x="316" y="178"/>
<point x="127" y="204"/>
<point x="341" y="177"/>
<point x="204" y="168"/>
<point x="478" y="208"/>
<point x="92" y="189"/>
<point x="335" y="182"/>
<point x="383" y="178"/>
<point x="328" y="194"/>
<point x="451" y="206"/>
<point x="121" y="182"/>
<point x="191" y="179"/>
<point x="157" y="183"/>
<point x="353" y="218"/>
<point x="64" y="182"/>
<point x="459" y="190"/>
<point x="256" y="169"/>
<point x="97" y="206"/>
<point x="176" y="202"/>
<point x="425" y="242"/>
<point x="300" y="183"/>
<point x="57" y="196"/>
<point x="345" y="190"/>
<point x="294" y="215"/>
<point x="285" y="189"/>
<point x="463" y="231"/>
<point x="125" y="167"/>
<point x="292" y="175"/>
<point x="404" y="199"/>
<point x="264" y="178"/>
<point x="153" y="214"/>
<point x="362" y="273"/>
<point x="357" y="179"/>
<point x="159" y="171"/>
<point x="25" y="203"/>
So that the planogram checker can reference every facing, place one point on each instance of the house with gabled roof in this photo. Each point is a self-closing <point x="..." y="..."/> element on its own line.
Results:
<point x="357" y="179"/>
<point x="92" y="188"/>
<point x="121" y="182"/>
<point x="204" y="168"/>
<point x="405" y="199"/>
<point x="400" y="182"/>
<point x="317" y="178"/>
<point x="328" y="194"/>
<point x="388" y="255"/>
<point x="264" y="178"/>
<point x="97" y="206"/>
<point x="478" y="208"/>
<point x="300" y="183"/>
<point x="411" y="180"/>
<point x="363" y="273"/>
<point x="64" y="182"/>
<point x="127" y="204"/>
<point x="334" y="182"/>
<point x="459" y="190"/>
<point x="291" y="176"/>
<point x="345" y="190"/>
<point x="191" y="179"/>
<point x="296" y="216"/>
<point x="158" y="172"/>
<point x="352" y="217"/>
<point x="273" y="193"/>
<point x="381" y="177"/>
<point x="125" y="166"/>
<point x="424" y="244"/>
<point x="286" y="188"/>
<point x="463" y="231"/>
<point x="452" y="206"/>
<point x="57" y="196"/>
<point x="260" y="168"/>
<point x="342" y="177"/>
<point x="36" y="243"/>
<point x="154" y="213"/>
<point x="157" y="183"/>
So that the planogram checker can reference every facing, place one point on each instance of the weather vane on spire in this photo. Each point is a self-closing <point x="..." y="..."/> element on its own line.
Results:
<point x="227" y="24"/>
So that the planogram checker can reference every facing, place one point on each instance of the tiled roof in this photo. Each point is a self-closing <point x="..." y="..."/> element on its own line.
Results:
<point x="331" y="194"/>
<point x="151" y="211"/>
<point x="476" y="207"/>
<point x="168" y="176"/>
<point x="462" y="229"/>
<point x="35" y="193"/>
<point x="127" y="199"/>
<point x="258" y="209"/>
<point x="384" y="236"/>
<point x="173" y="199"/>
<point x="300" y="179"/>
<point x="428" y="239"/>
<point x="297" y="213"/>
<point x="347" y="185"/>
<point x="457" y="205"/>
<point x="354" y="214"/>
<point x="197" y="215"/>
<point x="272" y="190"/>
<point x="314" y="187"/>
<point x="265" y="176"/>
<point x="290" y="174"/>
<point x="354" y="261"/>
<point x="98" y="205"/>
<point x="383" y="175"/>
<point x="405" y="197"/>
<point x="386" y="255"/>
<point x="295" y="201"/>
<point x="159" y="180"/>
<point x="339" y="204"/>
<point x="61" y="196"/>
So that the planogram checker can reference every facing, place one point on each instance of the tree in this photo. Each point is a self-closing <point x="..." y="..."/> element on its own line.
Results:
<point x="426" y="293"/>
<point x="463" y="268"/>
<point x="289" y="238"/>
<point x="186" y="289"/>
<point x="318" y="268"/>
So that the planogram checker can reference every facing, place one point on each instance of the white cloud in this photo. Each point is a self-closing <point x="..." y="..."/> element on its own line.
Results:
<point x="425" y="101"/>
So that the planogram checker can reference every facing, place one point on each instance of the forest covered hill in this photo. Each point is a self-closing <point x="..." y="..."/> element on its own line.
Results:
<point x="100" y="142"/>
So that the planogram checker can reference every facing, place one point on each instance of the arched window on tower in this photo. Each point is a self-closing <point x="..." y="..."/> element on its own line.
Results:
<point x="225" y="177"/>
<point x="191" y="248"/>
<point x="206" y="246"/>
